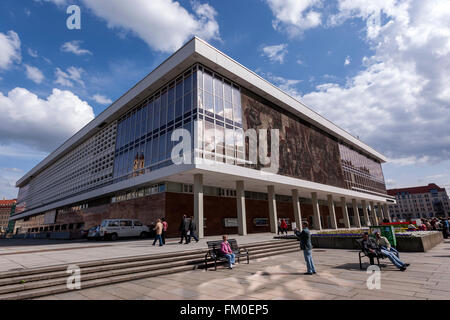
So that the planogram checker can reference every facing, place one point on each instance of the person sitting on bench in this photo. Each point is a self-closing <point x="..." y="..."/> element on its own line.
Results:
<point x="225" y="248"/>
<point x="373" y="250"/>
<point x="384" y="243"/>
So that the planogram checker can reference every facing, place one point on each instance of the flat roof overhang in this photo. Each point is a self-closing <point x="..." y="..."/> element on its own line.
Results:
<point x="218" y="175"/>
<point x="199" y="51"/>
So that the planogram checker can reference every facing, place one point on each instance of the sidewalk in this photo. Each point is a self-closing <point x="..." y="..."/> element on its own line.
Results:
<point x="281" y="277"/>
<point x="18" y="254"/>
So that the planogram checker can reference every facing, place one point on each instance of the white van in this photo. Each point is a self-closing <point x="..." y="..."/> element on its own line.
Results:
<point x="122" y="228"/>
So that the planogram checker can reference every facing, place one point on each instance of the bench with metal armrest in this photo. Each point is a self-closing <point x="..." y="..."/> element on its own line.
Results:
<point x="364" y="253"/>
<point x="215" y="254"/>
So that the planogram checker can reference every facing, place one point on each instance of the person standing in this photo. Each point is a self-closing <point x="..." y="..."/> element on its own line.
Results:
<point x="192" y="230"/>
<point x="305" y="244"/>
<point x="284" y="226"/>
<point x="184" y="227"/>
<point x="165" y="226"/>
<point x="158" y="229"/>
<point x="279" y="227"/>
<point x="225" y="248"/>
<point x="445" y="227"/>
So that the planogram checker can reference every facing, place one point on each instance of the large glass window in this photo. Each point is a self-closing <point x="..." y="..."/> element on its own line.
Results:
<point x="209" y="139"/>
<point x="150" y="117"/>
<point x="218" y="96"/>
<point x="171" y="104"/>
<point x="162" y="148"/>
<point x="179" y="99"/>
<point x="156" y="112"/>
<point x="220" y="141"/>
<point x="155" y="150"/>
<point x="163" y="116"/>
<point x="229" y="144"/>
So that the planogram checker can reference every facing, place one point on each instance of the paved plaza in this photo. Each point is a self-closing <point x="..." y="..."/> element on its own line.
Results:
<point x="281" y="277"/>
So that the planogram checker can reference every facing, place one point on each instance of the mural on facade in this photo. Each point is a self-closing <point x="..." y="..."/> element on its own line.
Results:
<point x="305" y="153"/>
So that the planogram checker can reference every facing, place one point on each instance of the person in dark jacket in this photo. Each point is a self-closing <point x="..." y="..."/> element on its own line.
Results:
<point x="305" y="244"/>
<point x="373" y="250"/>
<point x="445" y="227"/>
<point x="184" y="227"/>
<point x="192" y="230"/>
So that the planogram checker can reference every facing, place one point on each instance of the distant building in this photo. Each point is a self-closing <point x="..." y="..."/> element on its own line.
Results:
<point x="6" y="207"/>
<point x="420" y="202"/>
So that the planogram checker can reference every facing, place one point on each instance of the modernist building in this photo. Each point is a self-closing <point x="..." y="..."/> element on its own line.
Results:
<point x="120" y="164"/>
<point x="6" y="208"/>
<point x="420" y="202"/>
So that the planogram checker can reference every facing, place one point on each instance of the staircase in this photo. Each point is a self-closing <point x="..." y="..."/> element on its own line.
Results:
<point x="38" y="282"/>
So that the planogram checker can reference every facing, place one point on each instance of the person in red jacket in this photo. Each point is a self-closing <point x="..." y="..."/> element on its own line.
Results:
<point x="283" y="226"/>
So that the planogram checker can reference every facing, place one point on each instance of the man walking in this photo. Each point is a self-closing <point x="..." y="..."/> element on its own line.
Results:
<point x="184" y="227"/>
<point x="192" y="229"/>
<point x="306" y="246"/>
<point x="158" y="229"/>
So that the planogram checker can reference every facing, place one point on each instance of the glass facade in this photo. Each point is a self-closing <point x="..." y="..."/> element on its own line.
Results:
<point x="144" y="134"/>
<point x="220" y="136"/>
<point x="199" y="95"/>
<point x="360" y="171"/>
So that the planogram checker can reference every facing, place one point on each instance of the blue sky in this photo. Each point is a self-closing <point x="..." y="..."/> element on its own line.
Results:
<point x="377" y="69"/>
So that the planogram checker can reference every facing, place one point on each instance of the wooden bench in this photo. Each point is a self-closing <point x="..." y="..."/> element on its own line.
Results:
<point x="215" y="254"/>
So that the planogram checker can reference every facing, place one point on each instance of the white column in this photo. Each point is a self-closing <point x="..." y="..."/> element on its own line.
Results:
<point x="345" y="212"/>
<point x="332" y="211"/>
<point x="380" y="212"/>
<point x="316" y="210"/>
<point x="297" y="210"/>
<point x="373" y="213"/>
<point x="241" y="215"/>
<point x="356" y="213"/>
<point x="366" y="213"/>
<point x="198" y="203"/>
<point x="386" y="212"/>
<point x="272" y="209"/>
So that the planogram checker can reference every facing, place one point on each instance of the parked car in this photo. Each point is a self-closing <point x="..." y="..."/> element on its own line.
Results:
<point x="122" y="228"/>
<point x="94" y="233"/>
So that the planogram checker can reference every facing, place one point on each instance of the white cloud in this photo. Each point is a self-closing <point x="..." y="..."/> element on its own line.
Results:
<point x="347" y="61"/>
<point x="101" y="99"/>
<point x="164" y="25"/>
<point x="287" y="85"/>
<point x="41" y="124"/>
<point x="10" y="49"/>
<point x="409" y="161"/>
<point x="74" y="47"/>
<point x="57" y="2"/>
<point x="295" y="16"/>
<point x="32" y="53"/>
<point x="400" y="102"/>
<point x="275" y="53"/>
<point x="66" y="79"/>
<point x="34" y="74"/>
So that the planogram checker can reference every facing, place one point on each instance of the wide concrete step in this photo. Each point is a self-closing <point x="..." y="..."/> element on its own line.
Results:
<point x="198" y="258"/>
<point x="93" y="263"/>
<point x="48" y="283"/>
